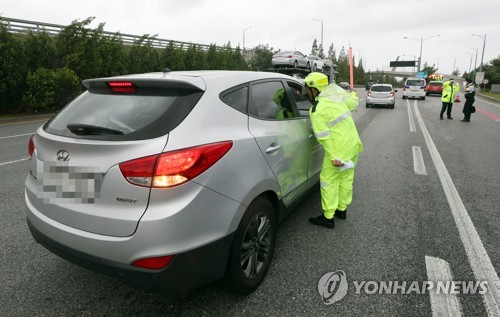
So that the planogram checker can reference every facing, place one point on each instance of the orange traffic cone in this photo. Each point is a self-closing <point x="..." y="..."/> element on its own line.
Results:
<point x="457" y="98"/>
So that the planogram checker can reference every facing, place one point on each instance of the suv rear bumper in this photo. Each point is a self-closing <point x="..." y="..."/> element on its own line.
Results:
<point x="185" y="272"/>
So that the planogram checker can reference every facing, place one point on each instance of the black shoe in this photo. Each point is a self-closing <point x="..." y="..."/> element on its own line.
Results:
<point x="441" y="118"/>
<point x="322" y="221"/>
<point x="464" y="120"/>
<point x="450" y="118"/>
<point x="342" y="214"/>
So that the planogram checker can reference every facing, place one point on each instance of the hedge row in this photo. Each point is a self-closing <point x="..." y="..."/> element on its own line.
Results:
<point x="39" y="73"/>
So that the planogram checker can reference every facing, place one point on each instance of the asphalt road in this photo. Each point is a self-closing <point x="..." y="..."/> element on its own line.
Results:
<point x="398" y="217"/>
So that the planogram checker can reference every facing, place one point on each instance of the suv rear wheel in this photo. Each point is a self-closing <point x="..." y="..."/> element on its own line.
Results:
<point x="253" y="247"/>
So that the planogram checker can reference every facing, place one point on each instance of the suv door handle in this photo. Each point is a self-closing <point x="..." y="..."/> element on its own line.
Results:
<point x="273" y="148"/>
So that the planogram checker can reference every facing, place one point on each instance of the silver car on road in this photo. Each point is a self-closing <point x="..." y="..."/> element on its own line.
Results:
<point x="293" y="59"/>
<point x="171" y="180"/>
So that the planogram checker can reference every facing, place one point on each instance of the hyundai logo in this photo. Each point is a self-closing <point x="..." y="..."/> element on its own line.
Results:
<point x="63" y="156"/>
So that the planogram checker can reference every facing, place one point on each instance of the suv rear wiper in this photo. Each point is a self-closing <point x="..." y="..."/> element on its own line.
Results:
<point x="87" y="129"/>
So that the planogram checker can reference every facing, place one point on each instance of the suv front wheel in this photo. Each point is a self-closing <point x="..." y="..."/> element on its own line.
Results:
<point x="253" y="247"/>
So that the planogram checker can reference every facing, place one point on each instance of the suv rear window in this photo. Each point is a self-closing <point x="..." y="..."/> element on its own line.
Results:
<point x="381" y="88"/>
<point x="435" y="84"/>
<point x="415" y="82"/>
<point x="124" y="116"/>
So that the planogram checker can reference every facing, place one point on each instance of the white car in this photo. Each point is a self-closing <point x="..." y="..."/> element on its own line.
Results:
<point x="415" y="87"/>
<point x="316" y="63"/>
<point x="381" y="94"/>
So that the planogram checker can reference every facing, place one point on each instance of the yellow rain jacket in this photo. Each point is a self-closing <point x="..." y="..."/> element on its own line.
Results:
<point x="334" y="128"/>
<point x="450" y="91"/>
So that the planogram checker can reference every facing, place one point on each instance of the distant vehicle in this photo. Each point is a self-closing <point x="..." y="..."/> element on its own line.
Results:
<point x="345" y="85"/>
<point x="293" y="59"/>
<point x="327" y="64"/>
<point x="316" y="63"/>
<point x="381" y="94"/>
<point x="414" y="87"/>
<point x="434" y="87"/>
<point x="370" y="83"/>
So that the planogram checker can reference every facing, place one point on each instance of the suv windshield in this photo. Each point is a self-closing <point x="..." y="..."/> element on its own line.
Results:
<point x="436" y="84"/>
<point x="106" y="116"/>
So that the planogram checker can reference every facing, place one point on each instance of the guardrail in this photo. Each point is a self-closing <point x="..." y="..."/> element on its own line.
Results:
<point x="25" y="27"/>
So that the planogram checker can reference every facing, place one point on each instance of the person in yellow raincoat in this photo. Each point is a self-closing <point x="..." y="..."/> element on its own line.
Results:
<point x="450" y="91"/>
<point x="335" y="130"/>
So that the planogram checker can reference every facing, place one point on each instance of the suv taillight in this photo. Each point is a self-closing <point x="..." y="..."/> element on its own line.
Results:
<point x="391" y="93"/>
<point x="173" y="168"/>
<point x="369" y="94"/>
<point x="31" y="146"/>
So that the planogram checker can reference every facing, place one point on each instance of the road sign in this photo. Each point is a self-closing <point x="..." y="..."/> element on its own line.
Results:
<point x="422" y="74"/>
<point x="479" y="77"/>
<point x="485" y="81"/>
<point x="402" y="63"/>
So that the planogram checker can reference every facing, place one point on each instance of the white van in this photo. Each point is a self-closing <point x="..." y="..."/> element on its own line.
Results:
<point x="414" y="87"/>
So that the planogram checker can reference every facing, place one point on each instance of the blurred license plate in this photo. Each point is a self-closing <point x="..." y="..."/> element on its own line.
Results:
<point x="57" y="181"/>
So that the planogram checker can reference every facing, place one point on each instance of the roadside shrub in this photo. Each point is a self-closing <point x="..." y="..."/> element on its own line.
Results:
<point x="13" y="70"/>
<point x="49" y="90"/>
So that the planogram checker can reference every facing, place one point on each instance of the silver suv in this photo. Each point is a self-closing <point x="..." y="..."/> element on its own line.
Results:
<point x="415" y="87"/>
<point x="169" y="181"/>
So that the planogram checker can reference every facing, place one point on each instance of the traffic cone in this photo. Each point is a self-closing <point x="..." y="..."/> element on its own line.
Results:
<point x="457" y="98"/>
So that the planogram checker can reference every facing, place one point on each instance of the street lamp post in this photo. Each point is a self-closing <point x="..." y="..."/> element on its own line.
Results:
<point x="454" y="64"/>
<point x="321" y="21"/>
<point x="470" y="64"/>
<point x="482" y="54"/>
<point x="421" y="40"/>
<point x="244" y="36"/>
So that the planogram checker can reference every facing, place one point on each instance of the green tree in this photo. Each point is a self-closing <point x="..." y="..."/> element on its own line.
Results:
<point x="321" y="54"/>
<point x="40" y="51"/>
<point x="91" y="52"/>
<point x="13" y="71"/>
<point x="492" y="71"/>
<point x="359" y="73"/>
<point x="332" y="55"/>
<point x="49" y="90"/>
<point x="261" y="60"/>
<point x="194" y="59"/>
<point x="143" y="57"/>
<point x="77" y="48"/>
<point x="314" y="48"/>
<point x="429" y="69"/>
<point x="213" y="59"/>
<point x="343" y="66"/>
<point x="113" y="56"/>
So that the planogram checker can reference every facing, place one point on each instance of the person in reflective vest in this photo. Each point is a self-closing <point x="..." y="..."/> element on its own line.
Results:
<point x="335" y="130"/>
<point x="450" y="91"/>
<point x="283" y="110"/>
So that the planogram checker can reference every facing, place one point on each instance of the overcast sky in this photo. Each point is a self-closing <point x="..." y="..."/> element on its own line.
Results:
<point x="375" y="28"/>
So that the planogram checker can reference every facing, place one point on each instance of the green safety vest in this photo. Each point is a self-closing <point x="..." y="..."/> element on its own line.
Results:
<point x="449" y="92"/>
<point x="333" y="125"/>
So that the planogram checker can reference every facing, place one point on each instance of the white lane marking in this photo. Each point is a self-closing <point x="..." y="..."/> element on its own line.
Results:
<point x="1" y="125"/>
<point x="410" y="117"/>
<point x="418" y="161"/>
<point x="442" y="304"/>
<point x="15" y="136"/>
<point x="6" y="163"/>
<point x="476" y="253"/>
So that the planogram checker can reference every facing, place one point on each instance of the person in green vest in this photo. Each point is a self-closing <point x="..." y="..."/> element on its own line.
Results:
<point x="450" y="91"/>
<point x="335" y="130"/>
